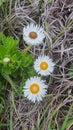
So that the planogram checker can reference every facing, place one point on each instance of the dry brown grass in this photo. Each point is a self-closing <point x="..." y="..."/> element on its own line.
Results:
<point x="56" y="17"/>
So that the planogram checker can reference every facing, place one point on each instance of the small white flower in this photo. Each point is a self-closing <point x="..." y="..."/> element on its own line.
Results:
<point x="44" y="65"/>
<point x="6" y="59"/>
<point x="33" y="34"/>
<point x="34" y="89"/>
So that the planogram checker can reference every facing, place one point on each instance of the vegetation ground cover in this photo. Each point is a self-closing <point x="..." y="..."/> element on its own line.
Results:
<point x="55" y="111"/>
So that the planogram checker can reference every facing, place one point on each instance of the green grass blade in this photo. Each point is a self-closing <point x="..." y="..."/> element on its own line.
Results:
<point x="66" y="119"/>
<point x="11" y="123"/>
<point x="69" y="124"/>
<point x="10" y="8"/>
<point x="4" y="125"/>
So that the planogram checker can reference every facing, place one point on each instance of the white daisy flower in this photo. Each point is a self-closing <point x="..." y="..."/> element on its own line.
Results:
<point x="6" y="59"/>
<point x="44" y="65"/>
<point x="33" y="34"/>
<point x="35" y="89"/>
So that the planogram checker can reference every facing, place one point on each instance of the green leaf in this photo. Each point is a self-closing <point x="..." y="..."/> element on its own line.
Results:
<point x="3" y="51"/>
<point x="70" y="71"/>
<point x="10" y="44"/>
<point x="2" y="38"/>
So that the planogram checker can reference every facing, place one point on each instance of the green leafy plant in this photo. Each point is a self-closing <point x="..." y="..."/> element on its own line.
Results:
<point x="15" y="65"/>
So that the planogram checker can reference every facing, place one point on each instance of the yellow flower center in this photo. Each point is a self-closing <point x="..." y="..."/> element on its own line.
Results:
<point x="34" y="88"/>
<point x="43" y="65"/>
<point x="33" y="35"/>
